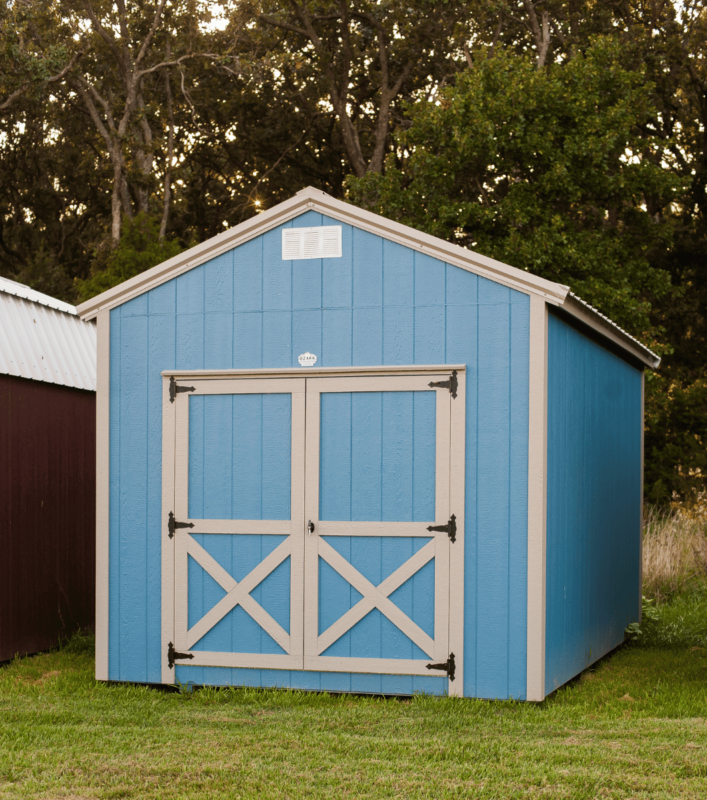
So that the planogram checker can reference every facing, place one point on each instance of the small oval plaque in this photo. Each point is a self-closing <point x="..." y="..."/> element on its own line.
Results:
<point x="307" y="360"/>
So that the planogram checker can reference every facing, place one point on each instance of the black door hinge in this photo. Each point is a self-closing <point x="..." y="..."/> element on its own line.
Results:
<point x="174" y="389"/>
<point x="173" y="655"/>
<point x="448" y="666"/>
<point x="450" y="528"/>
<point x="172" y="524"/>
<point x="452" y="384"/>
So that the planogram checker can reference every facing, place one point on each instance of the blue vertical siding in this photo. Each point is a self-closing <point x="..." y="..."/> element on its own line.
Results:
<point x="593" y="501"/>
<point x="377" y="462"/>
<point x="380" y="304"/>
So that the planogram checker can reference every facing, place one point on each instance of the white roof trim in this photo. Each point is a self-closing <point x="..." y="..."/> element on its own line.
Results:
<point x="311" y="199"/>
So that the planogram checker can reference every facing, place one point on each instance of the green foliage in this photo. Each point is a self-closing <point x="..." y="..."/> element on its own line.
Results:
<point x="636" y="631"/>
<point x="520" y="163"/>
<point x="677" y="624"/>
<point x="675" y="435"/>
<point x="545" y="170"/>
<point x="139" y="249"/>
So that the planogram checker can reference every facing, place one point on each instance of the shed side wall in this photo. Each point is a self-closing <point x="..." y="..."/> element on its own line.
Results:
<point x="47" y="494"/>
<point x="593" y="501"/>
<point x="380" y="304"/>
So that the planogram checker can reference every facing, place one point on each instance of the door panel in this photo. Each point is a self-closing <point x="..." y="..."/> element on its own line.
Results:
<point x="377" y="456"/>
<point x="240" y="490"/>
<point x="377" y="580"/>
<point x="240" y="456"/>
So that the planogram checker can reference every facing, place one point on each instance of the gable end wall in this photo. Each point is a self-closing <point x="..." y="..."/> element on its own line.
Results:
<point x="380" y="304"/>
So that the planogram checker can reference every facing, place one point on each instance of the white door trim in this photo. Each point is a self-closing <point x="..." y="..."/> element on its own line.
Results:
<point x="304" y="372"/>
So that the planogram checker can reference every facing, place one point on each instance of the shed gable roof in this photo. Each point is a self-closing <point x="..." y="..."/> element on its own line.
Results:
<point x="311" y="199"/>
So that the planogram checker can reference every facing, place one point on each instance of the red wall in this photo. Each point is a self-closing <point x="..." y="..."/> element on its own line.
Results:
<point x="47" y="513"/>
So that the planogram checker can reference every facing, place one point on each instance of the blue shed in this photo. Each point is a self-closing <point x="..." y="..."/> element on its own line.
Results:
<point x="335" y="453"/>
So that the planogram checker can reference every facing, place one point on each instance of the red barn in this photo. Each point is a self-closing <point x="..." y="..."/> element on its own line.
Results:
<point x="47" y="470"/>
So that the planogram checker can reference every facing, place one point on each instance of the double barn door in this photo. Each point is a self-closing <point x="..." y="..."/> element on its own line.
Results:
<point x="314" y="523"/>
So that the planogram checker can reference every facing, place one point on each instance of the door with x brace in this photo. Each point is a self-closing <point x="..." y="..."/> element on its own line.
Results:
<point x="377" y="500"/>
<point x="236" y="535"/>
<point x="308" y="523"/>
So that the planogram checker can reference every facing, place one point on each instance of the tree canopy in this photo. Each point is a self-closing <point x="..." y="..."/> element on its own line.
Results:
<point x="560" y="136"/>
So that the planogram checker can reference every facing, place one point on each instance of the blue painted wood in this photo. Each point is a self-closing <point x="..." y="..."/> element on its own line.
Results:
<point x="306" y="334"/>
<point x="367" y="337"/>
<point x="312" y="681"/>
<point x="133" y="468"/>
<point x="593" y="501"/>
<point x="307" y="277"/>
<point x="430" y="281"/>
<point x="518" y="508"/>
<point x="366" y="430"/>
<point x="277" y="274"/>
<point x="398" y="339"/>
<point x="373" y="308"/>
<point x="240" y="456"/>
<point x="237" y="632"/>
<point x="398" y="275"/>
<point x="248" y="276"/>
<point x="367" y="269"/>
<point x="493" y="503"/>
<point x="430" y="335"/>
<point x="397" y="457"/>
<point x="377" y="462"/>
<point x="423" y="456"/>
<point x="161" y="338"/>
<point x="239" y="468"/>
<point x="377" y="456"/>
<point x="337" y="336"/>
<point x="337" y="273"/>
<point x="462" y="337"/>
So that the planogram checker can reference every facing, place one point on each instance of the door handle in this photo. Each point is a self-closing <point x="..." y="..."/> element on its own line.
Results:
<point x="310" y="527"/>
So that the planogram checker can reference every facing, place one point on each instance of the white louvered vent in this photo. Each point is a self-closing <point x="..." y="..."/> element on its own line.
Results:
<point x="323" y="241"/>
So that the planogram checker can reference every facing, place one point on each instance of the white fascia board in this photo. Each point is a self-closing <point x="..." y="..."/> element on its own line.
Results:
<point x="315" y="200"/>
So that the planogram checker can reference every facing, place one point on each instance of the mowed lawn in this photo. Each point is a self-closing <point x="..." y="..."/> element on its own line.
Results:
<point x="634" y="727"/>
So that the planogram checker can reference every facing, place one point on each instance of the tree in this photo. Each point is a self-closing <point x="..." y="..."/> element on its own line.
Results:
<point x="366" y="54"/>
<point x="543" y="169"/>
<point x="140" y="247"/>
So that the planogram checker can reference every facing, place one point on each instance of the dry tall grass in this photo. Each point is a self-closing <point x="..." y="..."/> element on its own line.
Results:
<point x="674" y="550"/>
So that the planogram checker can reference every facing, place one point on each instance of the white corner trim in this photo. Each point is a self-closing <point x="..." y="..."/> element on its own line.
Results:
<point x="102" y="494"/>
<point x="314" y="200"/>
<point x="537" y="499"/>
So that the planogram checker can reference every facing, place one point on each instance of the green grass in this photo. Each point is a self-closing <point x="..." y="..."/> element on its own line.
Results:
<point x="634" y="727"/>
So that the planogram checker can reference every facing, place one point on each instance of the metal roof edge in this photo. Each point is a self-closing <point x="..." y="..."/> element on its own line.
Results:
<point x="311" y="199"/>
<point x="16" y="289"/>
<point x="589" y="315"/>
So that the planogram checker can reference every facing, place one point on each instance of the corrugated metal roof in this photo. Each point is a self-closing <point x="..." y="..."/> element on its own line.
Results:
<point x="43" y="339"/>
<point x="20" y="290"/>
